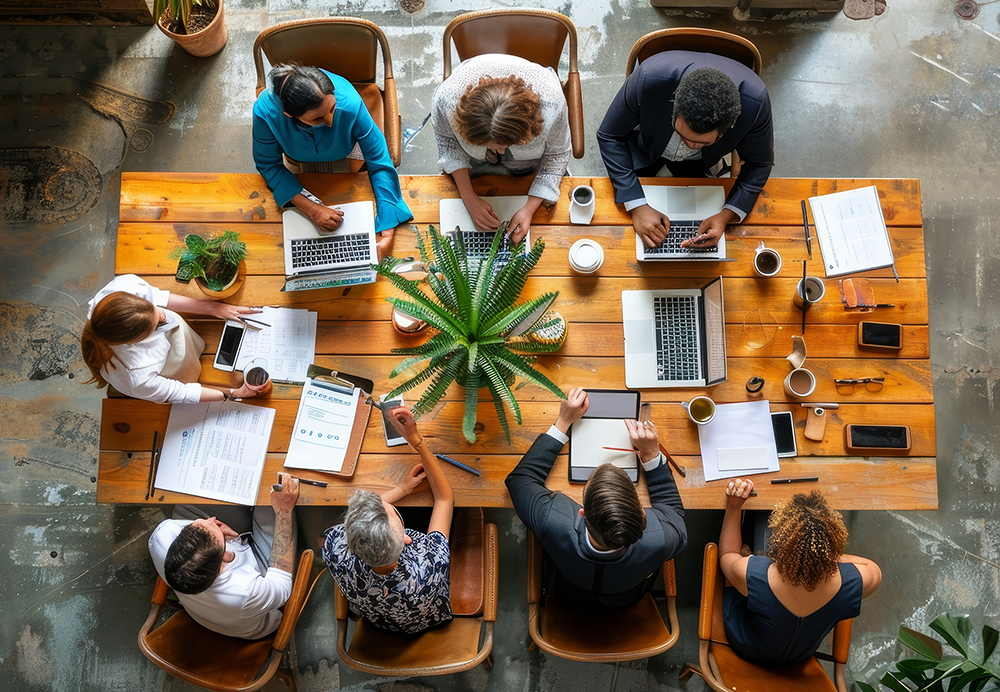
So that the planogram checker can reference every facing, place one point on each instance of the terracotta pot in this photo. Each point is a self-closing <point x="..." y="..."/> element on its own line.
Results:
<point x="208" y="41"/>
<point x="235" y="285"/>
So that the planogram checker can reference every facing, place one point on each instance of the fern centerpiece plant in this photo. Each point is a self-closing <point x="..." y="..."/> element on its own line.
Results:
<point x="480" y="325"/>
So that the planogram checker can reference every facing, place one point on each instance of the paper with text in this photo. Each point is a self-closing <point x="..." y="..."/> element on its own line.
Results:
<point x="851" y="230"/>
<point x="323" y="427"/>
<point x="285" y="348"/>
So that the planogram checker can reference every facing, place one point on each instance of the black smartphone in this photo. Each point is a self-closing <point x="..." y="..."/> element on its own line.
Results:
<point x="880" y="335"/>
<point x="885" y="439"/>
<point x="229" y="346"/>
<point x="784" y="433"/>
<point x="393" y="436"/>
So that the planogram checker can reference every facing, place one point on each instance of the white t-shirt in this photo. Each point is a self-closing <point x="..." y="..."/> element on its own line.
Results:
<point x="241" y="603"/>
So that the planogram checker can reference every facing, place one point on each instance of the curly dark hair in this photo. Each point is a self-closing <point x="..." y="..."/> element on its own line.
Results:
<point x="611" y="508"/>
<point x="807" y="539"/>
<point x="193" y="561"/>
<point x="502" y="111"/>
<point x="708" y="100"/>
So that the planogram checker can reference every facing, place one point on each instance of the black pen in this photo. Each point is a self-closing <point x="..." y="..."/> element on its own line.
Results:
<point x="247" y="320"/>
<point x="805" y="226"/>
<point x="459" y="464"/>
<point x="806" y="479"/>
<point x="318" y="484"/>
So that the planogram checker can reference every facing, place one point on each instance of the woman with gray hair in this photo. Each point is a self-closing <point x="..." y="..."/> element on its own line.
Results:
<point x="394" y="577"/>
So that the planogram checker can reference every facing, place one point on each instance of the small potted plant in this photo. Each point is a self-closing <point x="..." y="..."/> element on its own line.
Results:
<point x="218" y="263"/>
<point x="197" y="26"/>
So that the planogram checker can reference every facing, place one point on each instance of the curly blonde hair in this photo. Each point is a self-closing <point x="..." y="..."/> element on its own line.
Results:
<point x="807" y="539"/>
<point x="501" y="111"/>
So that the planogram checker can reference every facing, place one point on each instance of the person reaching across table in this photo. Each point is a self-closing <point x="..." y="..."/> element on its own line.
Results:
<point x="778" y="609"/>
<point x="714" y="105"/>
<point x="313" y="115"/>
<point x="136" y="342"/>
<point x="396" y="578"/>
<point x="608" y="551"/>
<point x="502" y="114"/>
<point x="230" y="585"/>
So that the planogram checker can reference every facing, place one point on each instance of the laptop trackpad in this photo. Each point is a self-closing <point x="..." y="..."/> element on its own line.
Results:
<point x="682" y="201"/>
<point x="639" y="336"/>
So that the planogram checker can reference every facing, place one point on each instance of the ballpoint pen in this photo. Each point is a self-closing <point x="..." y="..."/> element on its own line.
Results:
<point x="666" y="455"/>
<point x="459" y="464"/>
<point x="805" y="479"/>
<point x="247" y="321"/>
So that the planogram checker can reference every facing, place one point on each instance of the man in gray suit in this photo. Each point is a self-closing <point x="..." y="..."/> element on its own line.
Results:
<point x="687" y="110"/>
<point x="608" y="551"/>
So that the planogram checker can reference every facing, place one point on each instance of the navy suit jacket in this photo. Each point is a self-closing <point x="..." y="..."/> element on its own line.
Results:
<point x="638" y="125"/>
<point x="555" y="520"/>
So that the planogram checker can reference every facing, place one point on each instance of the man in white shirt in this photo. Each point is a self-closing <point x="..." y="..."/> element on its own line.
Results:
<point x="227" y="584"/>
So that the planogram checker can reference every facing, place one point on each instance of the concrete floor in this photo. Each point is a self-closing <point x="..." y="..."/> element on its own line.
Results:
<point x="913" y="93"/>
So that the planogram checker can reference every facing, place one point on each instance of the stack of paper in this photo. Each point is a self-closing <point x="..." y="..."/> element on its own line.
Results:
<point x="739" y="441"/>
<point x="285" y="348"/>
<point x="851" y="231"/>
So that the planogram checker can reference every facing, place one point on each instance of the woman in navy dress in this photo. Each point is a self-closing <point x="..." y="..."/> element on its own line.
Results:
<point x="778" y="609"/>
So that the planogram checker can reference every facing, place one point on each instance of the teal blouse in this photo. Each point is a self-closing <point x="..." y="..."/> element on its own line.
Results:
<point x="275" y="133"/>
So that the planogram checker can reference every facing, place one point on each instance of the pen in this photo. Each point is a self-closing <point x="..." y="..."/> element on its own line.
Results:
<point x="248" y="320"/>
<point x="459" y="464"/>
<point x="805" y="298"/>
<point x="806" y="479"/>
<point x="805" y="227"/>
<point x="153" y="458"/>
<point x="318" y="484"/>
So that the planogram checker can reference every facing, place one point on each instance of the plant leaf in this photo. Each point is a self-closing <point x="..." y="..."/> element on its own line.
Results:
<point x="497" y="384"/>
<point x="511" y="316"/>
<point x="501" y="412"/>
<point x="439" y="385"/>
<point x="990" y="639"/>
<point x="522" y="368"/>
<point x="890" y="681"/>
<point x="471" y="404"/>
<point x="955" y="629"/>
<point x="919" y="644"/>
<point x="865" y="687"/>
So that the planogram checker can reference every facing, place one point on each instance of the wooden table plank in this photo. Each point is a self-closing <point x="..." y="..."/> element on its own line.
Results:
<point x="849" y="483"/>
<point x="236" y="197"/>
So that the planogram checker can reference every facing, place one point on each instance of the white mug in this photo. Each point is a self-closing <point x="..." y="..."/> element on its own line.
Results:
<point x="582" y="202"/>
<point x="800" y="382"/>
<point x="701" y="409"/>
<point x="766" y="261"/>
<point x="815" y="290"/>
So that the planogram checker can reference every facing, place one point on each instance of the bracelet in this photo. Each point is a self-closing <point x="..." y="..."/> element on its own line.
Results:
<point x="225" y="397"/>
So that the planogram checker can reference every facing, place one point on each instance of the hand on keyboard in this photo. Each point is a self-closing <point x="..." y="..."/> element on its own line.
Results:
<point x="711" y="229"/>
<point x="482" y="214"/>
<point x="651" y="225"/>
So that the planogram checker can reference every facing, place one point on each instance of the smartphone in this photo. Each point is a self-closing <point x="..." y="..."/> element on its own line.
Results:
<point x="229" y="346"/>
<point x="784" y="433"/>
<point x="880" y="335"/>
<point x="393" y="436"/>
<point x="880" y="439"/>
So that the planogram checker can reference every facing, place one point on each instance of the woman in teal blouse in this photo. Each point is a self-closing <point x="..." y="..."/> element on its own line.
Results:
<point x="313" y="115"/>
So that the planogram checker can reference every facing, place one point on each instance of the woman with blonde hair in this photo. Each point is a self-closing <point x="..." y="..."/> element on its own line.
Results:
<point x="502" y="114"/>
<point x="136" y="342"/>
<point x="778" y="609"/>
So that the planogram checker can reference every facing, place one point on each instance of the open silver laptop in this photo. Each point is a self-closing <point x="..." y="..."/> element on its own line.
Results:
<point x="675" y="337"/>
<point x="318" y="260"/>
<point x="455" y="216"/>
<point x="686" y="207"/>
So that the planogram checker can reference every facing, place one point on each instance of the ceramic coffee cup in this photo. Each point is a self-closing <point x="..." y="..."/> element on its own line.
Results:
<point x="800" y="382"/>
<point x="582" y="202"/>
<point x="815" y="290"/>
<point x="766" y="261"/>
<point x="257" y="380"/>
<point x="701" y="409"/>
<point x="586" y="256"/>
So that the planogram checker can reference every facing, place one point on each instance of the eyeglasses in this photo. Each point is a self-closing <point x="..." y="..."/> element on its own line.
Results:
<point x="872" y="384"/>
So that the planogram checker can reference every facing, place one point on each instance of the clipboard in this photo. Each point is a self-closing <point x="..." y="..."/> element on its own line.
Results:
<point x="603" y="425"/>
<point x="359" y="426"/>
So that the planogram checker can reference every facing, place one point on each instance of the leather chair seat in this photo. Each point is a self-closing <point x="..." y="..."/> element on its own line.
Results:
<point x="588" y="631"/>
<point x="737" y="672"/>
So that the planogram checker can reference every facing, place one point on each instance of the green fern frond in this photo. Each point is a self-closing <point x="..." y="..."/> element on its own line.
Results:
<point x="430" y="346"/>
<point x="499" y="408"/>
<point x="512" y="277"/>
<point x="495" y="380"/>
<point x="528" y="346"/>
<point x="510" y="317"/>
<point x="437" y="318"/>
<point x="439" y="385"/>
<point x="471" y="403"/>
<point x="524" y="369"/>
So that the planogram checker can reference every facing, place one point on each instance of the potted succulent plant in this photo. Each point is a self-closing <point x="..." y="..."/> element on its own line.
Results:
<point x="217" y="263"/>
<point x="482" y="337"/>
<point x="197" y="26"/>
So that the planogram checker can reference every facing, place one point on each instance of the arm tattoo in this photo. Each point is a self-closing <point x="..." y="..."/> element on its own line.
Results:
<point x="282" y="551"/>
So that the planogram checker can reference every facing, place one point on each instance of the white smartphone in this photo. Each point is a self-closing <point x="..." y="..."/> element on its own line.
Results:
<point x="393" y="436"/>
<point x="229" y="346"/>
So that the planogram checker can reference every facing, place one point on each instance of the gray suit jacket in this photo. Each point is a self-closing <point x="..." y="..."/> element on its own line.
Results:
<point x="555" y="519"/>
<point x="638" y="125"/>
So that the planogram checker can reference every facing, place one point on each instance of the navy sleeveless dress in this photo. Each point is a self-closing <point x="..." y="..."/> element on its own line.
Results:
<point x="762" y="630"/>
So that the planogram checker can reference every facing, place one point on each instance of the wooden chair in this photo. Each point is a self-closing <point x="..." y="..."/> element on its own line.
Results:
<point x="346" y="46"/>
<point x="535" y="35"/>
<point x="583" y="634"/>
<point x="463" y="643"/>
<point x="701" y="40"/>
<point x="723" y="669"/>
<point x="214" y="661"/>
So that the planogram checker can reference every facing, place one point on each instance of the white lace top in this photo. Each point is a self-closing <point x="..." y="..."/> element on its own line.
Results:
<point x="548" y="153"/>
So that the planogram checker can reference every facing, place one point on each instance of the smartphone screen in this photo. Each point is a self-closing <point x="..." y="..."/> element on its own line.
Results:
<point x="393" y="437"/>
<point x="885" y="436"/>
<point x="879" y="334"/>
<point x="784" y="433"/>
<point x="229" y="345"/>
<point x="612" y="404"/>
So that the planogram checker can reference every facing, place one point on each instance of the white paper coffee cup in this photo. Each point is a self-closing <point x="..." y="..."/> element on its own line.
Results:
<point x="586" y="256"/>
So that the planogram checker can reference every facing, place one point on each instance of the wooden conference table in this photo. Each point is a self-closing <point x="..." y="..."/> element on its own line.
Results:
<point x="356" y="336"/>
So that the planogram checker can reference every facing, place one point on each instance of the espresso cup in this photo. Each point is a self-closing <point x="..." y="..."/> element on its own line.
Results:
<point x="766" y="261"/>
<point x="815" y="289"/>
<point x="257" y="380"/>
<point x="701" y="409"/>
<point x="800" y="382"/>
<point x="586" y="256"/>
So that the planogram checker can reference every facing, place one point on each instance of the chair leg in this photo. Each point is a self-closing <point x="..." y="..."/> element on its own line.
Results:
<point x="531" y="644"/>
<point x="488" y="662"/>
<point x="287" y="676"/>
<point x="687" y="671"/>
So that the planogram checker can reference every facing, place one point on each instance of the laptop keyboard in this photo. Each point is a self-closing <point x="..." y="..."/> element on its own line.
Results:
<point x="675" y="319"/>
<point x="352" y="248"/>
<point x="479" y="243"/>
<point x="679" y="232"/>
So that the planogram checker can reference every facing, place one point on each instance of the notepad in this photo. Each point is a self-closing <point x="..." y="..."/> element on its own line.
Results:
<point x="743" y="458"/>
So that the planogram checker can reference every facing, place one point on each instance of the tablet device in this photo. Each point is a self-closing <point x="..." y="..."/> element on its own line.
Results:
<point x="603" y="425"/>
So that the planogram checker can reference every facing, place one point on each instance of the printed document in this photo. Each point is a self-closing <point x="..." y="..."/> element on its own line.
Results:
<point x="851" y="231"/>
<point x="739" y="441"/>
<point x="215" y="450"/>
<point x="323" y="426"/>
<point x="285" y="348"/>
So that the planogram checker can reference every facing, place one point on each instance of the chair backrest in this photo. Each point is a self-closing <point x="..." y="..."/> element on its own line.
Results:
<point x="533" y="34"/>
<point x="694" y="39"/>
<point x="346" y="46"/>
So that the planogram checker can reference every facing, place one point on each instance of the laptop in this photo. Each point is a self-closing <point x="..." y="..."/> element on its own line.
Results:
<point x="316" y="260"/>
<point x="455" y="218"/>
<point x="687" y="207"/>
<point x="675" y="338"/>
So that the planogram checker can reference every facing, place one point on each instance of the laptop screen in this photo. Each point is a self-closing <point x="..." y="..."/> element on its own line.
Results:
<point x="715" y="333"/>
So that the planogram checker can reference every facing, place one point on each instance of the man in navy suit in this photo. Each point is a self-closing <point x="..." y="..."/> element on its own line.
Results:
<point x="608" y="551"/>
<point x="686" y="110"/>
